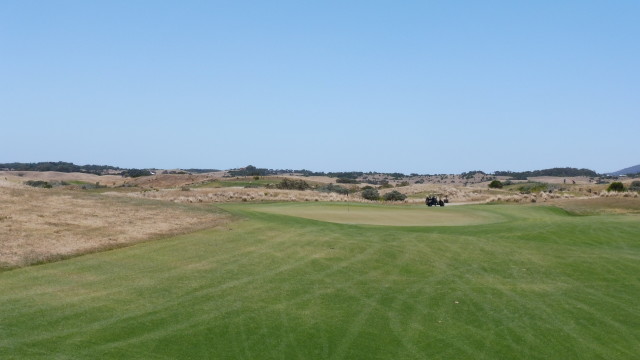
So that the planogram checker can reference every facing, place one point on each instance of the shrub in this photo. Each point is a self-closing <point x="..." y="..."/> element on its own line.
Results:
<point x="38" y="183"/>
<point x="533" y="187"/>
<point x="370" y="194"/>
<point x="394" y="196"/>
<point x="333" y="188"/>
<point x="289" y="184"/>
<point x="616" y="186"/>
<point x="404" y="183"/>
<point x="495" y="184"/>
<point x="635" y="186"/>
<point x="384" y="184"/>
<point x="134" y="173"/>
<point x="346" y="181"/>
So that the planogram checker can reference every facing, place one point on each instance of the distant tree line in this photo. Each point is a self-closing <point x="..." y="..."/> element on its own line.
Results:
<point x="251" y="170"/>
<point x="200" y="171"/>
<point x="560" y="172"/>
<point x="59" y="166"/>
<point x="471" y="174"/>
<point x="68" y="167"/>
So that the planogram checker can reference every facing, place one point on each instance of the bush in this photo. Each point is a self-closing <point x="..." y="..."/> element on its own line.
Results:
<point x="370" y="194"/>
<point x="616" y="186"/>
<point x="38" y="183"/>
<point x="346" y="181"/>
<point x="495" y="184"/>
<point x="289" y="184"/>
<point x="333" y="188"/>
<point x="533" y="187"/>
<point x="134" y="173"/>
<point x="394" y="196"/>
<point x="635" y="186"/>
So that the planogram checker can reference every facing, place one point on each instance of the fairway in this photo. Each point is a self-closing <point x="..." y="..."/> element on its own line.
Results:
<point x="538" y="284"/>
<point x="385" y="214"/>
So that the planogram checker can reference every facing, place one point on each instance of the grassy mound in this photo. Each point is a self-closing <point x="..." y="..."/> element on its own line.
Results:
<point x="541" y="284"/>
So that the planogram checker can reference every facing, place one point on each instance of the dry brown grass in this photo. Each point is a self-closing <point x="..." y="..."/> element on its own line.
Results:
<point x="18" y="177"/>
<point x="41" y="225"/>
<point x="232" y="194"/>
<point x="173" y="180"/>
<point x="455" y="194"/>
<point x="601" y="205"/>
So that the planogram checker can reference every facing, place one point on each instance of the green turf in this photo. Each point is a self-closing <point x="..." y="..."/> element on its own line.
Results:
<point x="540" y="285"/>
<point x="399" y="215"/>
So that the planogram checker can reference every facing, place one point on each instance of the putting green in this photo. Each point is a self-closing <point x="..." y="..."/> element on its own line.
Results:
<point x="387" y="215"/>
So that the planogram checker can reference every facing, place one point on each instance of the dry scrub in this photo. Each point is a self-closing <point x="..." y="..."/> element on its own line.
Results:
<point x="544" y="196"/>
<point x="460" y="194"/>
<point x="40" y="225"/>
<point x="233" y="194"/>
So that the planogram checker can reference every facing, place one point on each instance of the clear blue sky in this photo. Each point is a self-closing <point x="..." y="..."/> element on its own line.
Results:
<point x="406" y="86"/>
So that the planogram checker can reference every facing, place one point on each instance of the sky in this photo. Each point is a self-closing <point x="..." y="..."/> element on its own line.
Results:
<point x="424" y="87"/>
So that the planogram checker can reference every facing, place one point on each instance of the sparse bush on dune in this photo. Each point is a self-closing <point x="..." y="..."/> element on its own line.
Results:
<point x="38" y="183"/>
<point x="370" y="194"/>
<point x="346" y="181"/>
<point x="289" y="184"/>
<point x="532" y="187"/>
<point x="616" y="186"/>
<point x="394" y="196"/>
<point x="528" y="198"/>
<point x="333" y="188"/>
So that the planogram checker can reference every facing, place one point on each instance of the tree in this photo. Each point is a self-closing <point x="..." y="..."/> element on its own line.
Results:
<point x="616" y="186"/>
<point x="495" y="184"/>
<point x="370" y="194"/>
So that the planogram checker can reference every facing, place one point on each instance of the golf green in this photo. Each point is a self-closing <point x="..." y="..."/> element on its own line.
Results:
<point x="385" y="214"/>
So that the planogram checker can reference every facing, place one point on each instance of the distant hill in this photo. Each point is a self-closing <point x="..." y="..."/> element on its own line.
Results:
<point x="629" y="170"/>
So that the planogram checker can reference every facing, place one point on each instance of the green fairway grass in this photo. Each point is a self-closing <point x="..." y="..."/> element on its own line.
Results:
<point x="537" y="283"/>
<point x="384" y="214"/>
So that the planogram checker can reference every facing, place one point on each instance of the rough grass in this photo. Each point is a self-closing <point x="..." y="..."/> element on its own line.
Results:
<point x="43" y="225"/>
<point x="236" y="183"/>
<point x="603" y="205"/>
<point x="541" y="285"/>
